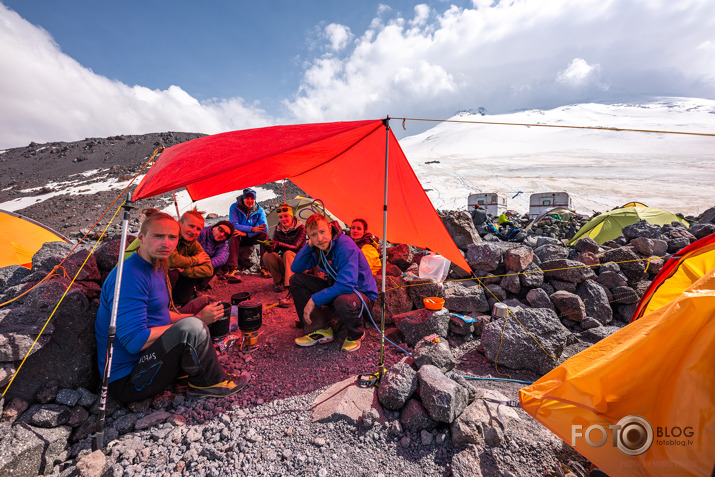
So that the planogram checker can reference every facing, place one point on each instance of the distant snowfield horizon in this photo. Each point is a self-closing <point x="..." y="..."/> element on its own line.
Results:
<point x="600" y="169"/>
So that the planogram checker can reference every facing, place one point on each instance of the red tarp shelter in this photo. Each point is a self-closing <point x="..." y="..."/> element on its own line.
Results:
<point x="341" y="163"/>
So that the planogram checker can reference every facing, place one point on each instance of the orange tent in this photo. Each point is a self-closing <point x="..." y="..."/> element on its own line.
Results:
<point x="21" y="237"/>
<point x="677" y="274"/>
<point x="341" y="163"/>
<point x="649" y="387"/>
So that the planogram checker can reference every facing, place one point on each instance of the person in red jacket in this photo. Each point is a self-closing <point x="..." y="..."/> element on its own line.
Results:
<point x="288" y="238"/>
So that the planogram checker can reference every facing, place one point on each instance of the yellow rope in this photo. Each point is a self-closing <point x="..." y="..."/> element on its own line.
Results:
<point x="60" y="300"/>
<point x="156" y="151"/>
<point x="509" y="312"/>
<point x="603" y="128"/>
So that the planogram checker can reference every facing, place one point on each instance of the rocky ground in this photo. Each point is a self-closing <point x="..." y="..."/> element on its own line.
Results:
<point x="266" y="429"/>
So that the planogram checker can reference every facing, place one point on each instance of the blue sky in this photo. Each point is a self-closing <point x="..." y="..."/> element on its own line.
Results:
<point x="81" y="68"/>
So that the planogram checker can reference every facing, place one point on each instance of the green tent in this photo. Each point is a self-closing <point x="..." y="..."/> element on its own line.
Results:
<point x="609" y="225"/>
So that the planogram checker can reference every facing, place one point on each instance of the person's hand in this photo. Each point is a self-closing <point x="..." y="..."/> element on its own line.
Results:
<point x="211" y="312"/>
<point x="309" y="307"/>
<point x="259" y="228"/>
<point x="203" y="257"/>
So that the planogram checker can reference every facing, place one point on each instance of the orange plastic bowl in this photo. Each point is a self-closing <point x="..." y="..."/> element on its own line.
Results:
<point x="433" y="303"/>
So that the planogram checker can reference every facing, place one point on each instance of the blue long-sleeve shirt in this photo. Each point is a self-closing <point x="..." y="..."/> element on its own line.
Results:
<point x="352" y="271"/>
<point x="245" y="224"/>
<point x="143" y="304"/>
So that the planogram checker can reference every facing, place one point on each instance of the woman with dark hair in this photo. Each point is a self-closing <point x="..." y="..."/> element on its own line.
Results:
<point x="367" y="243"/>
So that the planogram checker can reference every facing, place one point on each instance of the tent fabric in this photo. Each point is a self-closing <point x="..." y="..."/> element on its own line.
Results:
<point x="303" y="207"/>
<point x="21" y="237"/>
<point x="609" y="225"/>
<point x="659" y="367"/>
<point x="677" y="274"/>
<point x="341" y="163"/>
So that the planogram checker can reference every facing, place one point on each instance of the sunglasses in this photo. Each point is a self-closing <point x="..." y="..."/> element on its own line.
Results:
<point x="284" y="210"/>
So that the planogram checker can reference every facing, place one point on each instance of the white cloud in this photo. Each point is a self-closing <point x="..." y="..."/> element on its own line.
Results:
<point x="338" y="36"/>
<point x="503" y="56"/>
<point x="515" y="55"/>
<point x="579" y="73"/>
<point x="47" y="96"/>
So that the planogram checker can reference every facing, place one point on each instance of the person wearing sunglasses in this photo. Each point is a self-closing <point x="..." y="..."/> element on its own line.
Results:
<point x="288" y="239"/>
<point x="214" y="240"/>
<point x="250" y="225"/>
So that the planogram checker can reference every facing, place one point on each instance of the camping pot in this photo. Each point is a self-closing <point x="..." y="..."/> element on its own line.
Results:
<point x="237" y="298"/>
<point x="219" y="328"/>
<point x="500" y="310"/>
<point x="250" y="315"/>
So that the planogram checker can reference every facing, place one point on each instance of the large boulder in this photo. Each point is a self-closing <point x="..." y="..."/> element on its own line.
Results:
<point x="400" y="255"/>
<point x="422" y="288"/>
<point x="549" y="252"/>
<point x="460" y="226"/>
<point x="518" y="259"/>
<point x="586" y="244"/>
<point x="443" y="398"/>
<point x="632" y="265"/>
<point x="70" y="355"/>
<point x="484" y="256"/>
<point x="532" y="276"/>
<point x="596" y="301"/>
<point x="414" y="417"/>
<point x="12" y="276"/>
<point x="567" y="270"/>
<point x="397" y="385"/>
<point x="435" y="352"/>
<point x="538" y="298"/>
<point x="108" y="253"/>
<point x="518" y="349"/>
<point x="415" y="325"/>
<point x="465" y="297"/>
<point x="398" y="300"/>
<point x="569" y="305"/>
<point x="641" y="229"/>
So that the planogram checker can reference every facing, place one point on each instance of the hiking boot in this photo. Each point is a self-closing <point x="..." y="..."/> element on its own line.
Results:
<point x="264" y="273"/>
<point x="218" y="390"/>
<point x="278" y="288"/>
<point x="286" y="300"/>
<point x="352" y="345"/>
<point x="316" y="337"/>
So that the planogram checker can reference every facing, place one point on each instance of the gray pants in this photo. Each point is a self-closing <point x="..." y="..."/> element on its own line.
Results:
<point x="184" y="348"/>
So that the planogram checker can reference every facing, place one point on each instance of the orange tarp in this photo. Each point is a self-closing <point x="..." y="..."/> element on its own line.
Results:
<point x="659" y="367"/>
<point x="341" y="163"/>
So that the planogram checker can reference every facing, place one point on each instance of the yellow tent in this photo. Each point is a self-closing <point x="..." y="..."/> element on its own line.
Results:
<point x="21" y="237"/>
<point x="609" y="225"/>
<point x="654" y="378"/>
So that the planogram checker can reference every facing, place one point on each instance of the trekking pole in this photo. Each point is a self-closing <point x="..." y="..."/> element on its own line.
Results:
<point x="367" y="380"/>
<point x="98" y="436"/>
<point x="381" y="364"/>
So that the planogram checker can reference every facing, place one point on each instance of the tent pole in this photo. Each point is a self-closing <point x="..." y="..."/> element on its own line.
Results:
<point x="381" y="365"/>
<point x="98" y="436"/>
<point x="176" y="203"/>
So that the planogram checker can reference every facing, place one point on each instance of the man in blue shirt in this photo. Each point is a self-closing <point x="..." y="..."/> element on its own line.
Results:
<point x="249" y="220"/>
<point x="349" y="291"/>
<point x="153" y="345"/>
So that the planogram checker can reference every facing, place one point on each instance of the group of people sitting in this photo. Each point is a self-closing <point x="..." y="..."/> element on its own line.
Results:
<point x="161" y="331"/>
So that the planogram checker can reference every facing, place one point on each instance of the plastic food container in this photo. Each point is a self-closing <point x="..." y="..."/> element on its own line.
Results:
<point x="433" y="303"/>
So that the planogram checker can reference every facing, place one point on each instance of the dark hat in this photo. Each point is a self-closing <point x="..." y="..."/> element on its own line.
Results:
<point x="228" y="224"/>
<point x="248" y="192"/>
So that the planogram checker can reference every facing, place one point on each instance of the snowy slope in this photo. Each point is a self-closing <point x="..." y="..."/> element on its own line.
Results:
<point x="599" y="169"/>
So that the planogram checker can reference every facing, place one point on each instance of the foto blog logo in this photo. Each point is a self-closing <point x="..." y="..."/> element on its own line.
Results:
<point x="632" y="435"/>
